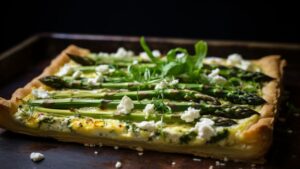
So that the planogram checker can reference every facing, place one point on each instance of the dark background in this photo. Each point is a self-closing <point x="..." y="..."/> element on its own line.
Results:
<point x="240" y="20"/>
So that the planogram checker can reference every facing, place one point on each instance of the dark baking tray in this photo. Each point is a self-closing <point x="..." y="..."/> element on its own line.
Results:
<point x="25" y="61"/>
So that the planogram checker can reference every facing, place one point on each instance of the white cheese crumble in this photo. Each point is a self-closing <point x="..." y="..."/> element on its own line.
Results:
<point x="65" y="70"/>
<point x="161" y="85"/>
<point x="213" y="60"/>
<point x="144" y="55"/>
<point x="215" y="77"/>
<point x="102" y="69"/>
<point x="237" y="60"/>
<point x="174" y="82"/>
<point x="125" y="106"/>
<point x="205" y="129"/>
<point x="180" y="56"/>
<point x="245" y="65"/>
<point x="40" y="93"/>
<point x="156" y="53"/>
<point x="149" y="108"/>
<point x="35" y="156"/>
<point x="122" y="53"/>
<point x="98" y="79"/>
<point x="234" y="59"/>
<point x="146" y="125"/>
<point x="135" y="62"/>
<point x="116" y="147"/>
<point x="190" y="115"/>
<point x="149" y="125"/>
<point x="77" y="74"/>
<point x="118" y="164"/>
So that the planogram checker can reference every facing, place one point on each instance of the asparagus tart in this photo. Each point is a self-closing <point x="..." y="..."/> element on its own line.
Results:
<point x="180" y="101"/>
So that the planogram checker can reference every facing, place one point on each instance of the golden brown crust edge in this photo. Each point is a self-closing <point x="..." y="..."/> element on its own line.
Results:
<point x="261" y="132"/>
<point x="8" y="107"/>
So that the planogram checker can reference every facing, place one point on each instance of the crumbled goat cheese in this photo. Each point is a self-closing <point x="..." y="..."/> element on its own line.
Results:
<point x="156" y="53"/>
<point x="103" y="54"/>
<point x="125" y="106"/>
<point x="161" y="85"/>
<point x="180" y="55"/>
<point x="35" y="156"/>
<point x="149" y="108"/>
<point x="135" y="62"/>
<point x="237" y="60"/>
<point x="149" y="125"/>
<point x="40" y="93"/>
<point x="205" y="129"/>
<point x="146" y="125"/>
<point x="174" y="82"/>
<point x="245" y="65"/>
<point x="76" y="74"/>
<point x="213" y="60"/>
<point x="190" y="114"/>
<point x="140" y="153"/>
<point x="102" y="69"/>
<point x="116" y="147"/>
<point x="215" y="77"/>
<point x="122" y="53"/>
<point x="173" y="163"/>
<point x="65" y="70"/>
<point x="95" y="152"/>
<point x="98" y="79"/>
<point x="118" y="164"/>
<point x="234" y="59"/>
<point x="144" y="55"/>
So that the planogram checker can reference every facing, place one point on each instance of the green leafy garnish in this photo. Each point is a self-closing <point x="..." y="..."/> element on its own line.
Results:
<point x="147" y="50"/>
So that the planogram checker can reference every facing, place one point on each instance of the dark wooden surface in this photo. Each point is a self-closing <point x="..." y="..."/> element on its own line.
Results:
<point x="27" y="60"/>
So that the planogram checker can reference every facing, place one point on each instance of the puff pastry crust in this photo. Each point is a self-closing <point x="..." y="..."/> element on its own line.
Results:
<point x="257" y="137"/>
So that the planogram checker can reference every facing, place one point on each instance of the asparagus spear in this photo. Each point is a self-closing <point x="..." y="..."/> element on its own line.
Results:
<point x="237" y="72"/>
<point x="224" y="71"/>
<point x="119" y="64"/>
<point x="227" y="111"/>
<point x="84" y="61"/>
<point x="234" y="96"/>
<point x="187" y="95"/>
<point x="104" y="104"/>
<point x="135" y="116"/>
<point x="94" y="60"/>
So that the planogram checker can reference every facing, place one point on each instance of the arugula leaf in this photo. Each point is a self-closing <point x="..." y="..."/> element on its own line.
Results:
<point x="171" y="55"/>
<point x="172" y="69"/>
<point x="200" y="53"/>
<point x="147" y="50"/>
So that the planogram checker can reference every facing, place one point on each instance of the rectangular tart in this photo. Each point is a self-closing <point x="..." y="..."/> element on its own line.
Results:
<point x="177" y="102"/>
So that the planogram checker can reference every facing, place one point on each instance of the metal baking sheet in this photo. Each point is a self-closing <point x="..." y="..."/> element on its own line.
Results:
<point x="25" y="61"/>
